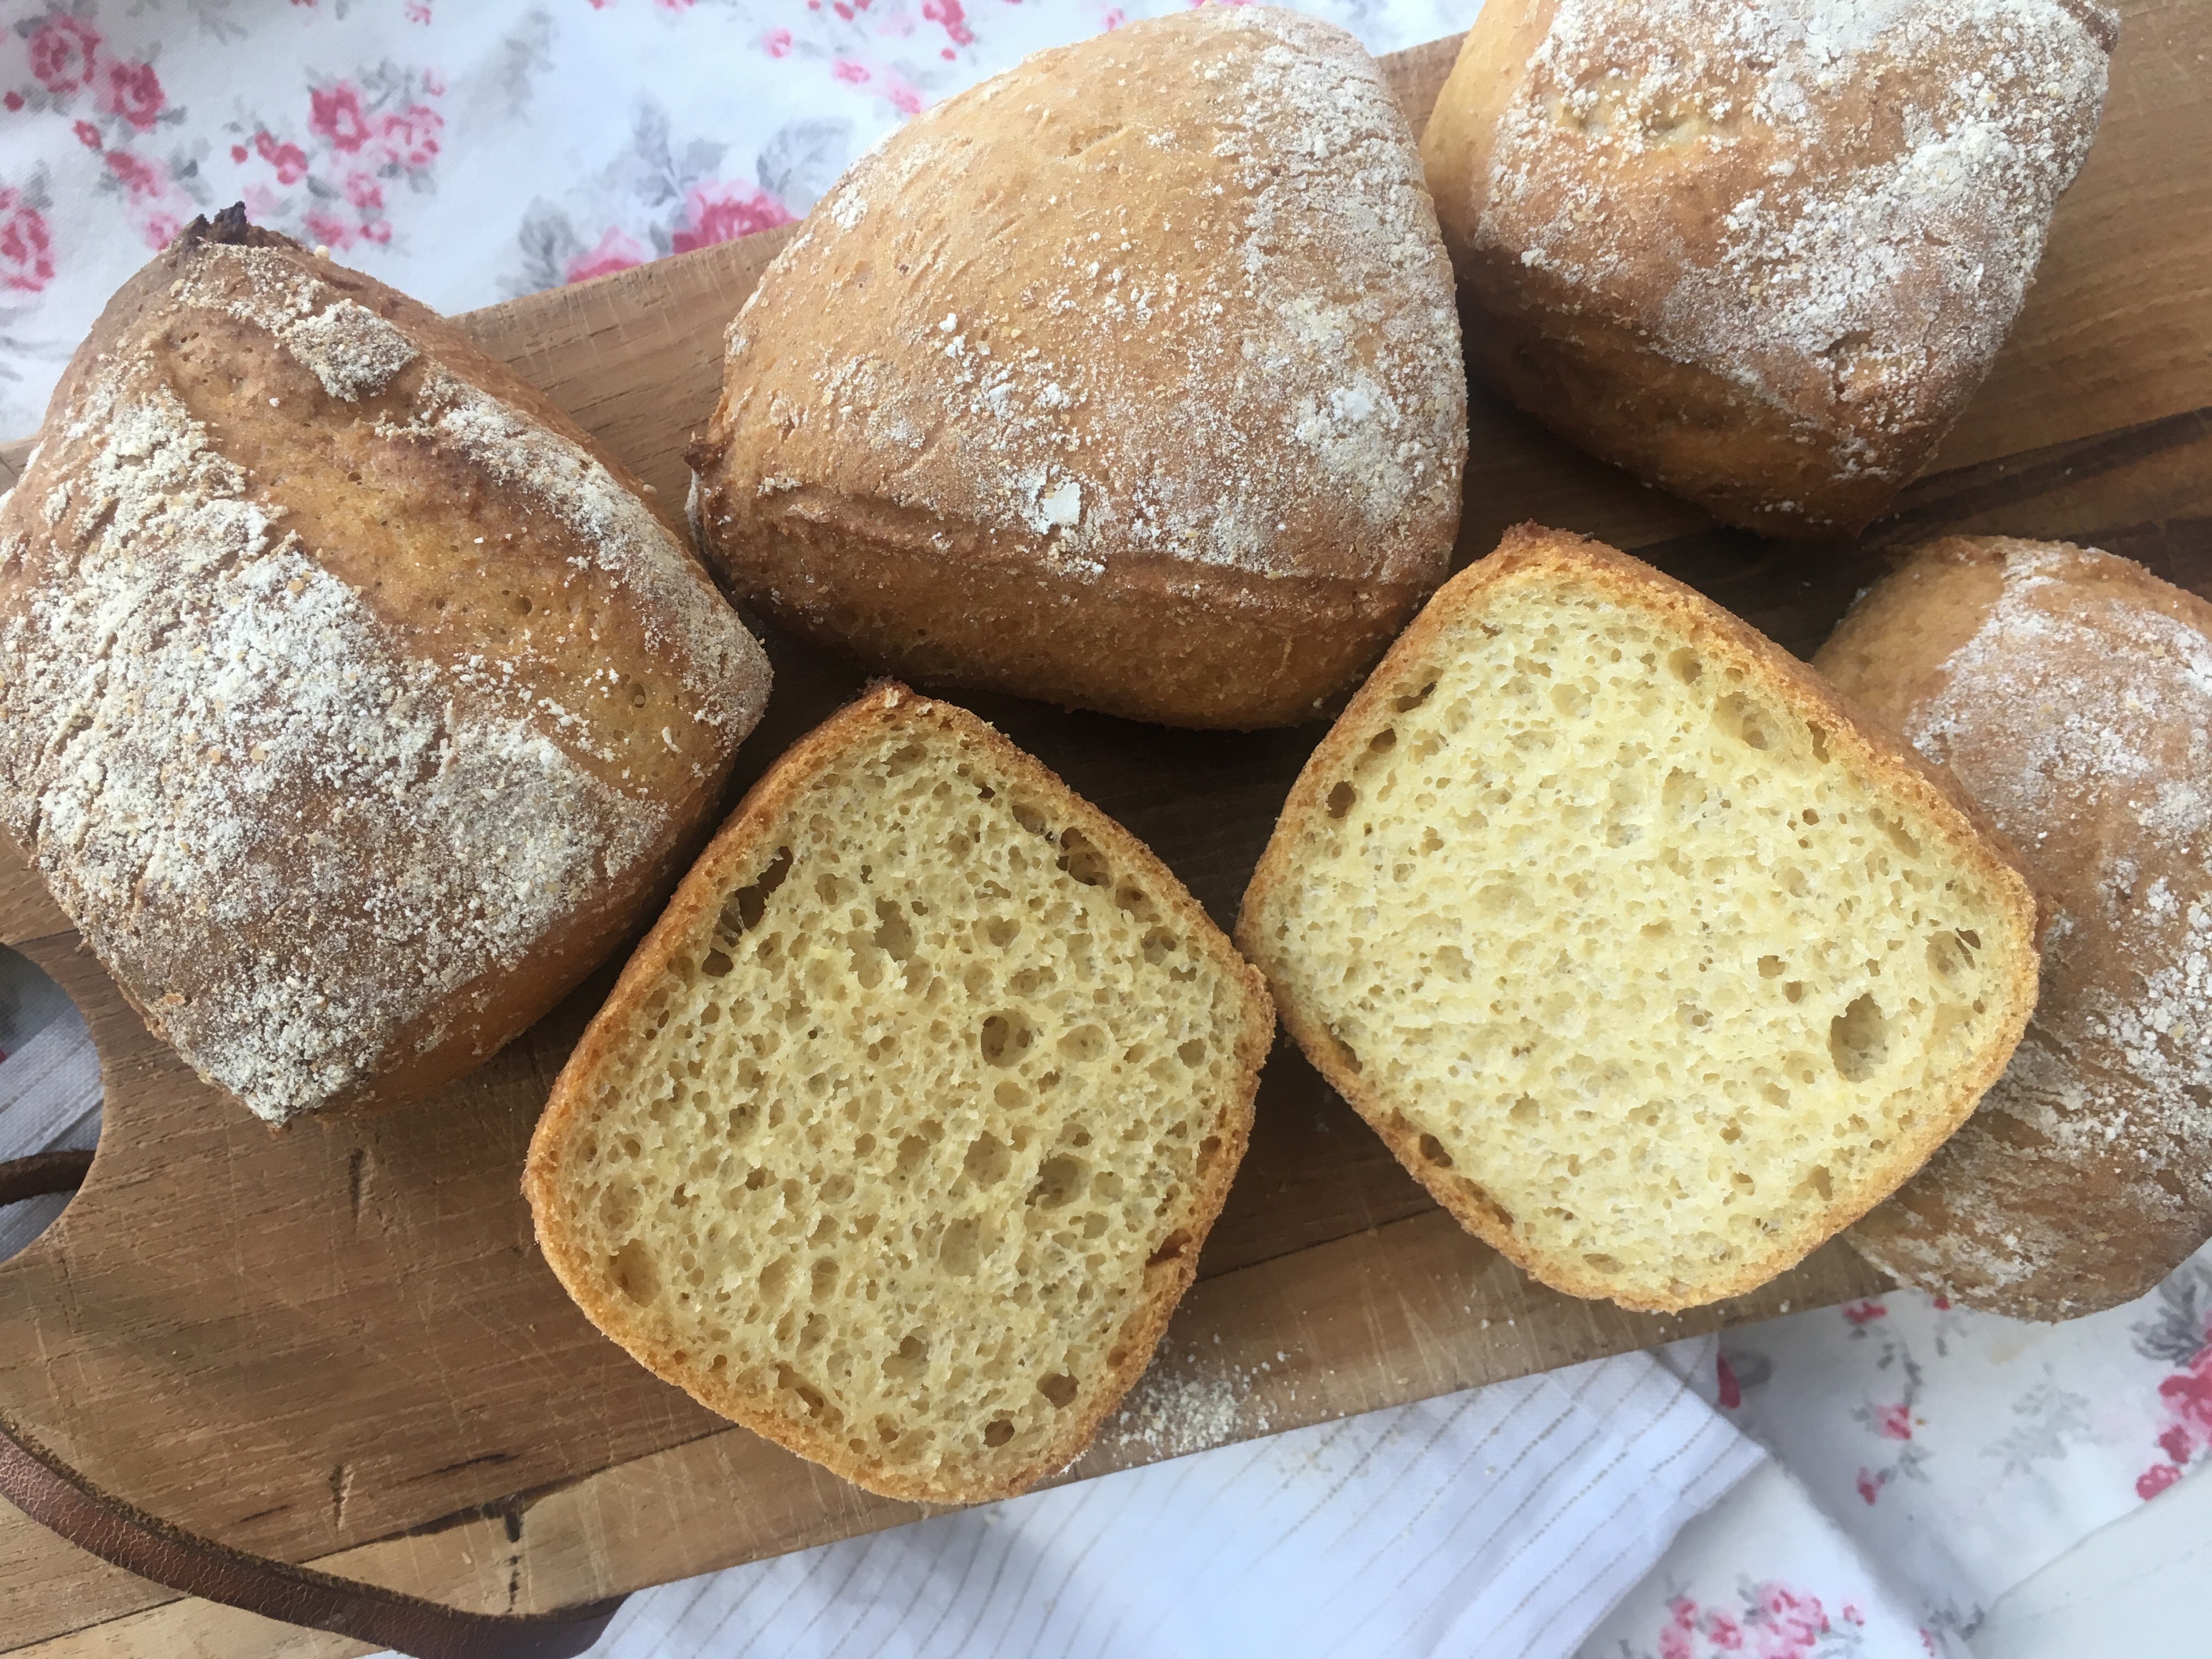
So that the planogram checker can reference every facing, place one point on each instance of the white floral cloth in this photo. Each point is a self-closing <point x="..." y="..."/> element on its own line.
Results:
<point x="1941" y="1456"/>
<point x="1924" y="1458"/>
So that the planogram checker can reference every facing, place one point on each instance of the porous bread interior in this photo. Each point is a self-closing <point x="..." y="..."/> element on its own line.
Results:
<point x="904" y="1124"/>
<point x="1630" y="949"/>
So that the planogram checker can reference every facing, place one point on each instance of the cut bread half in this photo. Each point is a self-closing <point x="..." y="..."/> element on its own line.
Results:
<point x="899" y="1136"/>
<point x="1653" y="959"/>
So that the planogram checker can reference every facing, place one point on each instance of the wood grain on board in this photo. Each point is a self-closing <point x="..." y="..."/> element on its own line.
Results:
<point x="338" y="1344"/>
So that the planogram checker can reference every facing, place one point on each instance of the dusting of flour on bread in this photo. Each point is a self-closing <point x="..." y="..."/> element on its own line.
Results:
<point x="309" y="844"/>
<point x="2081" y="717"/>
<point x="1169" y="382"/>
<point x="1860" y="188"/>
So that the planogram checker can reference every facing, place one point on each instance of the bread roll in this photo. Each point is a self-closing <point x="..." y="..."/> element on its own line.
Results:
<point x="900" y="1135"/>
<point x="1128" y="380"/>
<point x="1760" y="255"/>
<point x="1648" y="955"/>
<point x="353" y="703"/>
<point x="2071" y="692"/>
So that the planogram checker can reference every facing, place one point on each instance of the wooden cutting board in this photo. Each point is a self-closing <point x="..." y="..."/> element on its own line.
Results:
<point x="339" y="1346"/>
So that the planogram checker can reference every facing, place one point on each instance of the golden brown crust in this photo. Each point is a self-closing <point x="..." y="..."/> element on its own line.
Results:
<point x="1760" y="263"/>
<point x="410" y="699"/>
<point x="2067" y="689"/>
<point x="1185" y="446"/>
<point x="1718" y="636"/>
<point x="738" y="851"/>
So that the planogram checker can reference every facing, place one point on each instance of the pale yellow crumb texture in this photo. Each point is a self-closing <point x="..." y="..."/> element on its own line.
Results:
<point x="901" y="1124"/>
<point x="1634" y="946"/>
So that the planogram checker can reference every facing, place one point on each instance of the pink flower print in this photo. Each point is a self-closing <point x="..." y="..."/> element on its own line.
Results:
<point x="139" y="177"/>
<point x="776" y="43"/>
<point x="160" y="229"/>
<point x="418" y="11"/>
<point x="410" y="136"/>
<point x="1864" y="1313"/>
<point x="1893" y="1422"/>
<point x="2175" y="1443"/>
<point x="330" y="231"/>
<point x="336" y="113"/>
<point x="2188" y="1393"/>
<point x="949" y="13"/>
<point x="1678" y="1639"/>
<point x="14" y="100"/>
<point x="26" y="253"/>
<point x="2155" y="1480"/>
<point x="1725" y="1633"/>
<point x="134" y="92"/>
<point x="721" y="212"/>
<point x="846" y="71"/>
<point x="62" y="51"/>
<point x="1942" y="1304"/>
<point x="363" y="191"/>
<point x="1792" y="1622"/>
<point x="617" y="251"/>
<point x="1731" y="1391"/>
<point x="87" y="134"/>
<point x="376" y="230"/>
<point x="1869" y="1484"/>
<point x="1852" y="1615"/>
<point x="1115" y="18"/>
<point x="290" y="159"/>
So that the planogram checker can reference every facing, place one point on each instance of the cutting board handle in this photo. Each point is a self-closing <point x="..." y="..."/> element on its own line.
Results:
<point x="56" y="1496"/>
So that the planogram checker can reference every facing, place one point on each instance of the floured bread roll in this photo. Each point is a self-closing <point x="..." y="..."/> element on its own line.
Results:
<point x="1646" y="953"/>
<point x="1761" y="254"/>
<point x="1128" y="380"/>
<point x="2071" y="693"/>
<point x="355" y="703"/>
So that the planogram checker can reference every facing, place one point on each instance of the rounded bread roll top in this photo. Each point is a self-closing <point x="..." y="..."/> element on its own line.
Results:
<point x="2070" y="692"/>
<point x="354" y="703"/>
<point x="1128" y="380"/>
<point x="1759" y="255"/>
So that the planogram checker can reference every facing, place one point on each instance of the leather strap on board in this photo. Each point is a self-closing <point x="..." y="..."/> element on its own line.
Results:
<point x="51" y="1492"/>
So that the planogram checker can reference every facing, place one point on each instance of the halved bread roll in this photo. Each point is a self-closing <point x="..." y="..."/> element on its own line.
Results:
<point x="897" y="1139"/>
<point x="1647" y="954"/>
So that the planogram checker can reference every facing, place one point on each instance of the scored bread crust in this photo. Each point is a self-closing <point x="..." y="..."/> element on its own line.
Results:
<point x="736" y="853"/>
<point x="1128" y="380"/>
<point x="1723" y="638"/>
<point x="2085" y="1176"/>
<point x="429" y="817"/>
<point x="1756" y="255"/>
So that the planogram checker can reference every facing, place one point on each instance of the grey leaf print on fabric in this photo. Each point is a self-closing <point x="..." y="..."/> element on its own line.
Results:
<point x="652" y="170"/>
<point x="524" y="50"/>
<point x="2176" y="1334"/>
<point x="547" y="242"/>
<point x="2051" y="1419"/>
<point x="803" y="160"/>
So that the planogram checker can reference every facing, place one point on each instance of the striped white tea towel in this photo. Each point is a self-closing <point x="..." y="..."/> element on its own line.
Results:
<point x="1500" y="1522"/>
